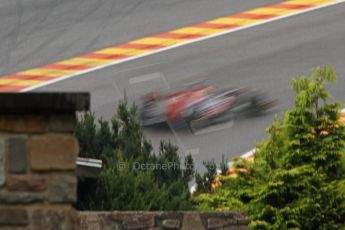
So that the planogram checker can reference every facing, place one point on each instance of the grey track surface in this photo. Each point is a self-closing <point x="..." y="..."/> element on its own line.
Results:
<point x="36" y="32"/>
<point x="265" y="56"/>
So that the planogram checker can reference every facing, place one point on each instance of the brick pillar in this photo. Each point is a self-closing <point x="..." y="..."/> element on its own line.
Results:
<point x="38" y="160"/>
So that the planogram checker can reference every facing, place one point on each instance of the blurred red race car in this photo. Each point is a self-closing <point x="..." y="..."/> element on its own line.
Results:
<point x="201" y="105"/>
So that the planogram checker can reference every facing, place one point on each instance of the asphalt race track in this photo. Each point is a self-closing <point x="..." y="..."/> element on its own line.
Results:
<point x="37" y="32"/>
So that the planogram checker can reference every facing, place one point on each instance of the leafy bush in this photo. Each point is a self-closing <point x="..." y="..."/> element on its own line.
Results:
<point x="297" y="180"/>
<point x="133" y="177"/>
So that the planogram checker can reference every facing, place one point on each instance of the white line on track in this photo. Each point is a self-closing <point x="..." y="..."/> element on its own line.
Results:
<point x="180" y="44"/>
<point x="215" y="128"/>
<point x="193" y="152"/>
<point x="146" y="77"/>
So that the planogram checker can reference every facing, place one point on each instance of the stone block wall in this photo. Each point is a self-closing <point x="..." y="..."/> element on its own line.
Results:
<point x="136" y="220"/>
<point x="38" y="160"/>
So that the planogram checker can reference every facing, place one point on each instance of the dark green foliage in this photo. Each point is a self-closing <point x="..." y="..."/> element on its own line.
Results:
<point x="189" y="171"/>
<point x="204" y="182"/>
<point x="133" y="177"/>
<point x="297" y="180"/>
<point x="223" y="166"/>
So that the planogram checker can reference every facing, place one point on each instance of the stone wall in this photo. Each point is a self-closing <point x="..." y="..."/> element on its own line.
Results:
<point x="37" y="160"/>
<point x="131" y="220"/>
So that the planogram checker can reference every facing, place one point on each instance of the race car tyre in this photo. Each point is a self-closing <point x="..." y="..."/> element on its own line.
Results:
<point x="260" y="104"/>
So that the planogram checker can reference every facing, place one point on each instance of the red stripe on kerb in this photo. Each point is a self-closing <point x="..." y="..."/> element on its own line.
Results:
<point x="65" y="67"/>
<point x="253" y="16"/>
<point x="178" y="35"/>
<point x="216" y="26"/>
<point x="140" y="46"/>
<point x="29" y="77"/>
<point x="104" y="56"/>
<point x="11" y="88"/>
<point x="289" y="6"/>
